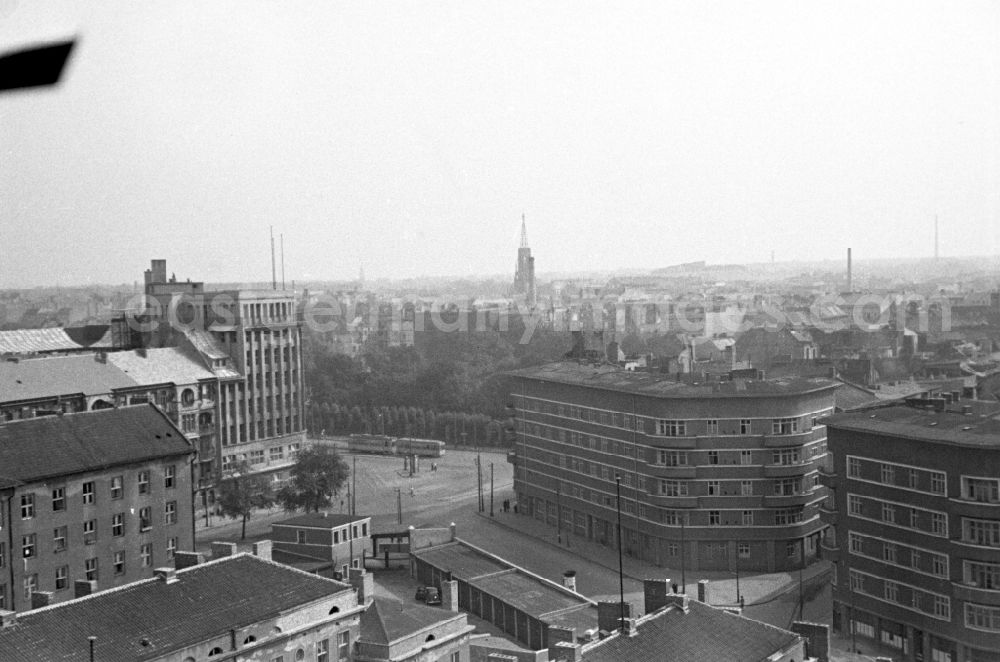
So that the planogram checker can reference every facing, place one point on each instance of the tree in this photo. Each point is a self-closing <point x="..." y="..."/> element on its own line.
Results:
<point x="319" y="473"/>
<point x="243" y="493"/>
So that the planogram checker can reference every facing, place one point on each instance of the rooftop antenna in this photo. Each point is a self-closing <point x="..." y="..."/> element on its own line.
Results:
<point x="274" y="275"/>
<point x="282" y="236"/>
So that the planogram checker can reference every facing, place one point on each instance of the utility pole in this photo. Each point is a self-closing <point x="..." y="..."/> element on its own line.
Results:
<point x="491" y="489"/>
<point x="738" y="573"/>
<point x="479" y="475"/>
<point x="559" y="512"/>
<point x="684" y="586"/>
<point x="399" y="506"/>
<point x="621" y="572"/>
<point x="354" y="490"/>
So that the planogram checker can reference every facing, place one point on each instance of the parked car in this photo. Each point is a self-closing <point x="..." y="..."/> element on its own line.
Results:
<point x="433" y="596"/>
<point x="421" y="593"/>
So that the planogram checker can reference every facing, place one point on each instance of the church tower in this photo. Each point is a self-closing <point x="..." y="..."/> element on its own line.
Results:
<point x="524" y="276"/>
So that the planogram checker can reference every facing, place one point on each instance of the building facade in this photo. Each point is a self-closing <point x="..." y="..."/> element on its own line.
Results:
<point x="341" y="539"/>
<point x="100" y="497"/>
<point x="915" y="509"/>
<point x="713" y="475"/>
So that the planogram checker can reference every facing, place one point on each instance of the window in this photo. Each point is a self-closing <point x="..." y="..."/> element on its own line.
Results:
<point x="169" y="476"/>
<point x="30" y="585"/>
<point x="118" y="562"/>
<point x="792" y="549"/>
<point x="673" y="488"/>
<point x="671" y="518"/>
<point x="455" y="657"/>
<point x="784" y="426"/>
<point x="747" y="518"/>
<point x="171" y="547"/>
<point x="170" y="513"/>
<point x="276" y="453"/>
<point x="145" y="520"/>
<point x="744" y="426"/>
<point x="343" y="645"/>
<point x="856" y="543"/>
<point x="889" y="552"/>
<point x="855" y="505"/>
<point x="90" y="568"/>
<point x="939" y="524"/>
<point x="323" y="650"/>
<point x="62" y="577"/>
<point x="785" y="456"/>
<point x="914" y="479"/>
<point x="743" y="550"/>
<point x="257" y="457"/>
<point x="857" y="581"/>
<point x="937" y="482"/>
<point x="746" y="488"/>
<point x="58" y="499"/>
<point x="887" y="474"/>
<point x="27" y="506"/>
<point x="889" y="513"/>
<point x="982" y="617"/>
<point x="671" y="428"/>
<point x="713" y="457"/>
<point x="90" y="532"/>
<point x="143" y="482"/>
<point x="981" y="574"/>
<point x="146" y="555"/>
<point x="59" y="539"/>
<point x="713" y="518"/>
<point x="746" y="457"/>
<point x="118" y="524"/>
<point x="981" y="532"/>
<point x="854" y="467"/>
<point x="942" y="607"/>
<point x="28" y="545"/>
<point x="787" y="486"/>
<point x="673" y="458"/>
<point x="890" y="591"/>
<point x="3" y="556"/>
<point x="986" y="490"/>
<point x="300" y="536"/>
<point x="713" y="488"/>
<point x="784" y="516"/>
<point x="88" y="492"/>
<point x="116" y="487"/>
<point x="939" y="565"/>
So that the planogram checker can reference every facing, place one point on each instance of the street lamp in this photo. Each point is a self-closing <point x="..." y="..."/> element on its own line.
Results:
<point x="621" y="573"/>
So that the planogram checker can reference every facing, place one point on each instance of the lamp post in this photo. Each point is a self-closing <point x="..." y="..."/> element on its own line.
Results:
<point x="621" y="572"/>
<point x="491" y="489"/>
<point x="738" y="573"/>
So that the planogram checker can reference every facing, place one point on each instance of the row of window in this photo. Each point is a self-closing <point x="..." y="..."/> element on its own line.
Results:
<point x="260" y="430"/>
<point x="898" y="515"/>
<point x="88" y="491"/>
<point x="29" y="542"/>
<point x="899" y="554"/>
<point x="779" y="487"/>
<point x="904" y="595"/>
<point x="255" y="457"/>
<point x="897" y="475"/>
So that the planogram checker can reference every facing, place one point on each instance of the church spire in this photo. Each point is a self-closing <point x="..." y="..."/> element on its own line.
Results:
<point x="524" y="233"/>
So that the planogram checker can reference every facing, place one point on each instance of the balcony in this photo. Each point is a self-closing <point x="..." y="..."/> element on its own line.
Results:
<point x="671" y="443"/>
<point x="968" y="593"/>
<point x="827" y="477"/>
<point x="828" y="512"/>
<point x="970" y="508"/>
<point x="786" y="470"/>
<point x="789" y="440"/>
<point x="664" y="471"/>
<point x="675" y="501"/>
<point x="787" y="500"/>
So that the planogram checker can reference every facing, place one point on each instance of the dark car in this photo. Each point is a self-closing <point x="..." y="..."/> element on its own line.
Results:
<point x="421" y="593"/>
<point x="433" y="596"/>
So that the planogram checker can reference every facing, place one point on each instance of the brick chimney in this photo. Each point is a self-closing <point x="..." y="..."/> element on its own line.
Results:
<point x="82" y="587"/>
<point x="166" y="575"/>
<point x="703" y="593"/>
<point x="41" y="599"/>
<point x="187" y="559"/>
<point x="262" y="549"/>
<point x="655" y="593"/>
<point x="449" y="595"/>
<point x="609" y="614"/>
<point x="569" y="580"/>
<point x="222" y="549"/>
<point x="364" y="583"/>
<point x="7" y="618"/>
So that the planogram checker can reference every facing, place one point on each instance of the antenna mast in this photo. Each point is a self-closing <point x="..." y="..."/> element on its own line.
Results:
<point x="282" y="236"/>
<point x="274" y="275"/>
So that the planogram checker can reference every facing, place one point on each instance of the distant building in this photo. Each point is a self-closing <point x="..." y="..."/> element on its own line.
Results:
<point x="915" y="509"/>
<point x="715" y="474"/>
<point x="524" y="275"/>
<point x="100" y="497"/>
<point x="240" y="607"/>
<point x="341" y="540"/>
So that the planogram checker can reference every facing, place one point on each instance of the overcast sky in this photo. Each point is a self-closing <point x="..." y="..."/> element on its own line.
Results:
<point x="411" y="136"/>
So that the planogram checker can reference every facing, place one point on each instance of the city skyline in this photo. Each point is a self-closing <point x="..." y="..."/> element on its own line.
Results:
<point x="412" y="138"/>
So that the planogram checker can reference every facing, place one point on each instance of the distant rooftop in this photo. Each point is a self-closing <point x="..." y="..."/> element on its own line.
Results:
<point x="151" y="618"/>
<point x="980" y="426"/>
<point x="321" y="520"/>
<point x="40" y="341"/>
<point x="614" y="378"/>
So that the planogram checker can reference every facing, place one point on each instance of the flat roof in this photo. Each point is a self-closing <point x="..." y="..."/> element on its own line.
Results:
<point x="321" y="520"/>
<point x="979" y="427"/>
<point x="659" y="385"/>
<point x="528" y="594"/>
<point x="464" y="562"/>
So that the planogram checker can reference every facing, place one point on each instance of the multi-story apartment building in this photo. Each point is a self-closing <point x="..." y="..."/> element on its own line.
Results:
<point x="101" y="496"/>
<point x="252" y="340"/>
<point x="915" y="508"/>
<point x="713" y="475"/>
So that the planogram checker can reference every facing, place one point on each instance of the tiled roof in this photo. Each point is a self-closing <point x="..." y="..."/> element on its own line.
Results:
<point x="703" y="634"/>
<point x="161" y="365"/>
<point x="386" y="620"/>
<point x="613" y="378"/>
<point x="39" y="448"/>
<point x="205" y="602"/>
<point x="321" y="520"/>
<point x="32" y="341"/>
<point x="52" y="376"/>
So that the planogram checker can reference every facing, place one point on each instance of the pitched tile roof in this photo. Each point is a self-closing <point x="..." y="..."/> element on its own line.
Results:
<point x="703" y="634"/>
<point x="52" y="376"/>
<point x="205" y="602"/>
<point x="87" y="441"/>
<point x="386" y="620"/>
<point x="55" y="339"/>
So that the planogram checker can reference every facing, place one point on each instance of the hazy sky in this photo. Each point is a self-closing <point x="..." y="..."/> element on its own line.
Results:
<point x="411" y="136"/>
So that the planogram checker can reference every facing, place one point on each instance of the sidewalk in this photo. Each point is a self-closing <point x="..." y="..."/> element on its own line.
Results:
<point x="755" y="588"/>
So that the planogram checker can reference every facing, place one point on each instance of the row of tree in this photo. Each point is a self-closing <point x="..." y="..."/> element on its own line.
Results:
<point x="451" y="427"/>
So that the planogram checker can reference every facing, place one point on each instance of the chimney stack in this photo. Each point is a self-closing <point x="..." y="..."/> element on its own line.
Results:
<point x="166" y="575"/>
<point x="82" y="587"/>
<point x="655" y="592"/>
<point x="449" y="595"/>
<point x="7" y="618"/>
<point x="41" y="599"/>
<point x="221" y="549"/>
<point x="569" y="580"/>
<point x="186" y="560"/>
<point x="262" y="549"/>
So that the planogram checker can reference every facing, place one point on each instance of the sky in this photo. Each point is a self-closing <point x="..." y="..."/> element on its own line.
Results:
<point x="410" y="137"/>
